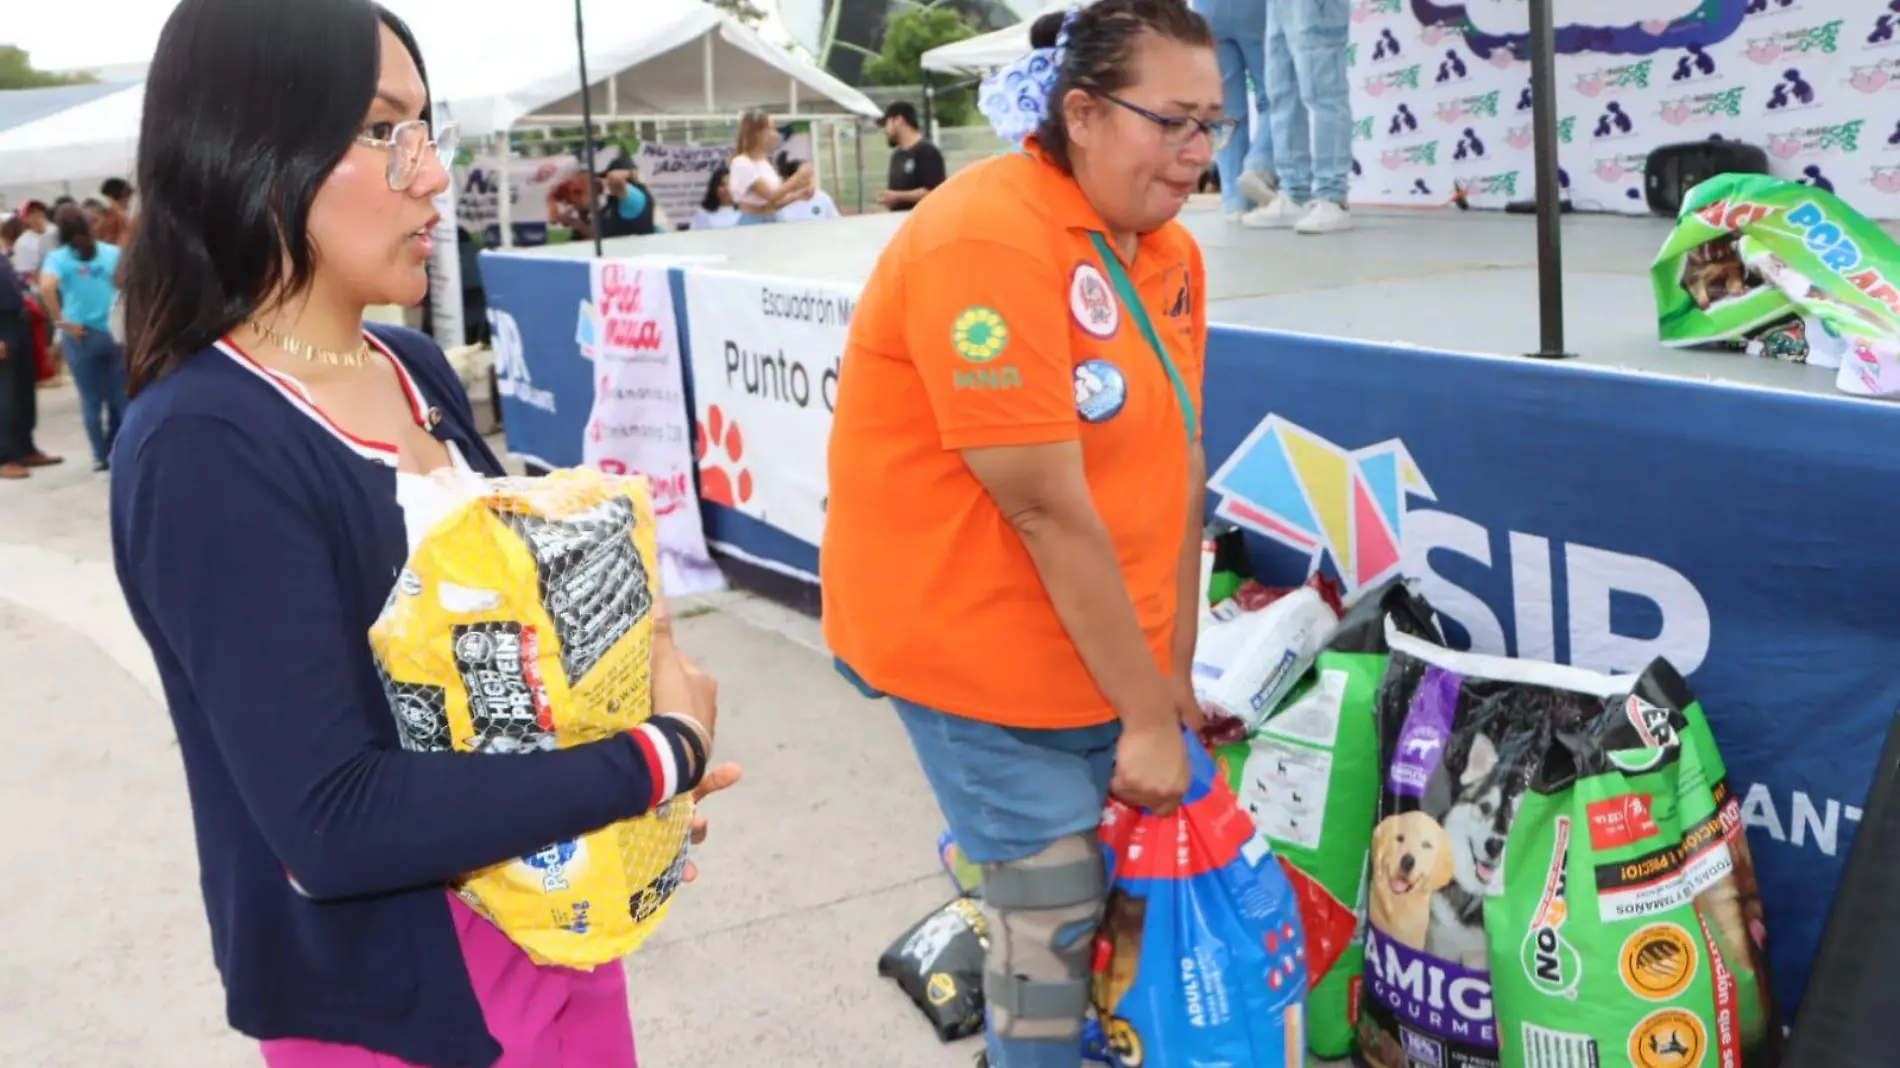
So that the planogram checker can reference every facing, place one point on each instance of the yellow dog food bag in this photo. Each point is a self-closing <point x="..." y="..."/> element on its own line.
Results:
<point x="522" y="623"/>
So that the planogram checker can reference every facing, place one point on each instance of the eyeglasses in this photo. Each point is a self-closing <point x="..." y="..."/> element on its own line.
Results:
<point x="408" y="144"/>
<point x="1178" y="130"/>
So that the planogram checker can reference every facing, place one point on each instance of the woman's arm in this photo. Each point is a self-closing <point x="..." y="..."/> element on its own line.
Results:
<point x="1187" y="613"/>
<point x="49" y="297"/>
<point x="235" y="584"/>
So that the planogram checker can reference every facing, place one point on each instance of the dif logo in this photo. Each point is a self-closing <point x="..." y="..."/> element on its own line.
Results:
<point x="1368" y="515"/>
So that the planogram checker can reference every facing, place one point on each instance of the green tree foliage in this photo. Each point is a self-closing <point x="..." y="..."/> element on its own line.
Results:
<point x="910" y="34"/>
<point x="746" y="11"/>
<point x="17" y="72"/>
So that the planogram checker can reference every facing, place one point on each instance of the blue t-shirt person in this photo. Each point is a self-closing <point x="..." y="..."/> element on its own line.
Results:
<point x="87" y="288"/>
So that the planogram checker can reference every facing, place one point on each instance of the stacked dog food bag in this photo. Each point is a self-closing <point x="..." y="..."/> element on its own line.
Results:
<point x="524" y="622"/>
<point x="1558" y="874"/>
<point x="1309" y="778"/>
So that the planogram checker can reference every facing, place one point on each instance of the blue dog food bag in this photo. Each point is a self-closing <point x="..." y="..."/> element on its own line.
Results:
<point x="1201" y="961"/>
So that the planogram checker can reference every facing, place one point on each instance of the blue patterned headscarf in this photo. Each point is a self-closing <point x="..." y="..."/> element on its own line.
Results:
<point x="1015" y="98"/>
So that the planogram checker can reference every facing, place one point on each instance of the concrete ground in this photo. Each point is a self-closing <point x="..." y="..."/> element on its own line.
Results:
<point x="818" y="860"/>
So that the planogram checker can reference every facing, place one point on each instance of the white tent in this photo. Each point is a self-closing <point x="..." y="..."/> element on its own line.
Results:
<point x="698" y="63"/>
<point x="82" y="144"/>
<point x="979" y="55"/>
<point x="691" y="61"/>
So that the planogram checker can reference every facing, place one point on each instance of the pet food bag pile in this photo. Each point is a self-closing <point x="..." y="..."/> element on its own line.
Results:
<point x="1200" y="959"/>
<point x="522" y="623"/>
<point x="1309" y="778"/>
<point x="1559" y="877"/>
<point x="1787" y="271"/>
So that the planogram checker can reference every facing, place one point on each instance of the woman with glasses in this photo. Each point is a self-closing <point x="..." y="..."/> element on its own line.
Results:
<point x="271" y="479"/>
<point x="1028" y="355"/>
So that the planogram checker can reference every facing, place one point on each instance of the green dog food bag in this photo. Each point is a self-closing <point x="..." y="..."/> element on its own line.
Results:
<point x="1784" y="270"/>
<point x="1309" y="777"/>
<point x="1629" y="928"/>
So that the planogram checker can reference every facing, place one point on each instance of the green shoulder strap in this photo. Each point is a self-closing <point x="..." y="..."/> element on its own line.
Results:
<point x="1132" y="302"/>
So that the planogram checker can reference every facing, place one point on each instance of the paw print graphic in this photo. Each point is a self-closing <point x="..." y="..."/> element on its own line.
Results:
<point x="720" y="448"/>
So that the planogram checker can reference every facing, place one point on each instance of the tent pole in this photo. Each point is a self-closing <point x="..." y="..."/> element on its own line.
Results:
<point x="504" y="206"/>
<point x="1550" y="276"/>
<point x="857" y="148"/>
<point x="930" y="100"/>
<point x="706" y="53"/>
<point x="587" y="126"/>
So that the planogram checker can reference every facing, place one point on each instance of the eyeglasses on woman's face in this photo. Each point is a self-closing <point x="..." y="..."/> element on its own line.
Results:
<point x="1178" y="131"/>
<point x="408" y="144"/>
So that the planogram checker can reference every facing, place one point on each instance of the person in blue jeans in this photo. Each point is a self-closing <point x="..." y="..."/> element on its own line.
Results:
<point x="1247" y="177"/>
<point x="79" y="283"/>
<point x="1312" y="116"/>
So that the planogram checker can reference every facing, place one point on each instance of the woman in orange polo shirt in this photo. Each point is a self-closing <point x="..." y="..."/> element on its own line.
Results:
<point x="1013" y="534"/>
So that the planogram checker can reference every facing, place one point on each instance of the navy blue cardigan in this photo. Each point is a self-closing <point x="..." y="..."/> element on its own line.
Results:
<point x="255" y="546"/>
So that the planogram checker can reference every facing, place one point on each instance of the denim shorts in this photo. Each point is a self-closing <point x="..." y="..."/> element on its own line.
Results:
<point x="1008" y="792"/>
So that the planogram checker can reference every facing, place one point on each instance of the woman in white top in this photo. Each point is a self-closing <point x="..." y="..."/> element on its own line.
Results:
<point x="757" y="190"/>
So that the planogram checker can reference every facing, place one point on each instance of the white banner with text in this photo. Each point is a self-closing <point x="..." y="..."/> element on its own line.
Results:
<point x="638" y="423"/>
<point x="765" y="355"/>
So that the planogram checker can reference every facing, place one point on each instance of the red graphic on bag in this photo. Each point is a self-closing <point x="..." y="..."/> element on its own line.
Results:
<point x="1329" y="923"/>
<point x="1621" y="821"/>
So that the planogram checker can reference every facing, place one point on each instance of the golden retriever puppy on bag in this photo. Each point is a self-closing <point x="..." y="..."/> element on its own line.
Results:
<point x="1411" y="860"/>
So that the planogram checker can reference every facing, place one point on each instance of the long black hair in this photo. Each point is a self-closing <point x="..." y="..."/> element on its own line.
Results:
<point x="248" y="108"/>
<point x="710" y="201"/>
<point x="1099" y="56"/>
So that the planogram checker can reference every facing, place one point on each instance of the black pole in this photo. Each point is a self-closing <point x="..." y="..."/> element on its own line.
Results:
<point x="930" y="102"/>
<point x="587" y="128"/>
<point x="1550" y="269"/>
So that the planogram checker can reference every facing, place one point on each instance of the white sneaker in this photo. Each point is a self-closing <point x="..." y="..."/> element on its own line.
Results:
<point x="1324" y="217"/>
<point x="1277" y="214"/>
<point x="1258" y="187"/>
<point x="1235" y="216"/>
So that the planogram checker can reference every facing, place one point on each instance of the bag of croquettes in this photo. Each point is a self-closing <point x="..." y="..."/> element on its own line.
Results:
<point x="1200" y="959"/>
<point x="523" y="622"/>
<point x="1629" y="930"/>
<point x="1309" y="778"/>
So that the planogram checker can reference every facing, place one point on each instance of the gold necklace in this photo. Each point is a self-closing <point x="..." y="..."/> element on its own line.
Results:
<point x="357" y="357"/>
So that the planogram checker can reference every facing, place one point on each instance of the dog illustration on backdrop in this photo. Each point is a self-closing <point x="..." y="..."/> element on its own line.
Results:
<point x="1402" y="120"/>
<point x="1791" y="89"/>
<point x="1411" y="860"/>
<point x="1714" y="272"/>
<point x="1695" y="61"/>
<point x="1476" y="826"/>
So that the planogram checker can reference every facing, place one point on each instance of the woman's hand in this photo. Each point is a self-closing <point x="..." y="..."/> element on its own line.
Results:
<point x="719" y="778"/>
<point x="679" y="687"/>
<point x="72" y="330"/>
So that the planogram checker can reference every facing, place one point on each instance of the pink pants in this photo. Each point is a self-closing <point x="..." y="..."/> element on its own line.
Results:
<point x="544" y="1017"/>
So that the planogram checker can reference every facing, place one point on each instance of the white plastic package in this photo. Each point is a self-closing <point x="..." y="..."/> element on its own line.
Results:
<point x="1243" y="666"/>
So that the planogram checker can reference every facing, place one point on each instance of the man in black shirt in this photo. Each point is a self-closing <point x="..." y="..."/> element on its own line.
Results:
<point x="916" y="165"/>
<point x="18" y="375"/>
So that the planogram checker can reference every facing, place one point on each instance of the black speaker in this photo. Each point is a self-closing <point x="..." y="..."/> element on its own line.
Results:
<point x="1673" y="170"/>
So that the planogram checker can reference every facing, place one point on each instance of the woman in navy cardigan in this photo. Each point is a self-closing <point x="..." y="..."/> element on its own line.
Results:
<point x="265" y="494"/>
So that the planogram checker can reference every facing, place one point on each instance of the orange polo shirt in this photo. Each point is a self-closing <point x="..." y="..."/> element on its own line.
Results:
<point x="991" y="319"/>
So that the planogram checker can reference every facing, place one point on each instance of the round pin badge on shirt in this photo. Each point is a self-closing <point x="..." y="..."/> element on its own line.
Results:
<point x="1100" y="391"/>
<point x="1092" y="302"/>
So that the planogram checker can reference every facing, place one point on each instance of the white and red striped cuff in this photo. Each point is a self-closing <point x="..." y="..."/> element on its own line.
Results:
<point x="673" y="753"/>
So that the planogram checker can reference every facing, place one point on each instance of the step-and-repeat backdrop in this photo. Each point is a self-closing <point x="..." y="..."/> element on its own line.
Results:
<point x="1441" y="95"/>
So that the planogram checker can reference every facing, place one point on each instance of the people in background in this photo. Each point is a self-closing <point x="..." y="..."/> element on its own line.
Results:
<point x="1246" y="164"/>
<point x="79" y="285"/>
<point x="757" y="188"/>
<point x="916" y="165"/>
<point x="95" y="210"/>
<point x="31" y="246"/>
<point x="716" y="210"/>
<point x="812" y="208"/>
<point x="628" y="207"/>
<point x="272" y="478"/>
<point x="1312" y="116"/>
<point x="1048" y="435"/>
<point x="114" y="225"/>
<point x="567" y="205"/>
<point x="18" y="366"/>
